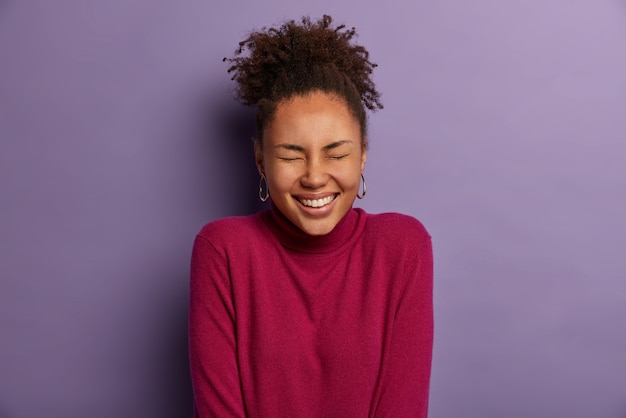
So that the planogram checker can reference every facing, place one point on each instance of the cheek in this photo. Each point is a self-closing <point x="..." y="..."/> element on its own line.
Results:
<point x="354" y="183"/>
<point x="349" y="177"/>
<point x="281" y="179"/>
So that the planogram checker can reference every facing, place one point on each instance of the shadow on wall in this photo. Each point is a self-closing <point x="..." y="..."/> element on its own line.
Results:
<point x="232" y="129"/>
<point x="175" y="391"/>
<point x="226" y="138"/>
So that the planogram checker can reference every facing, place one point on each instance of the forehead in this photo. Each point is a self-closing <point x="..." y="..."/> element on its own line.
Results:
<point x="314" y="117"/>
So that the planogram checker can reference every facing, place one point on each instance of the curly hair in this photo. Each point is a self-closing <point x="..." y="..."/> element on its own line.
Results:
<point x="298" y="58"/>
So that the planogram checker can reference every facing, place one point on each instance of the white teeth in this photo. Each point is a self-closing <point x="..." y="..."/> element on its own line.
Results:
<point x="318" y="203"/>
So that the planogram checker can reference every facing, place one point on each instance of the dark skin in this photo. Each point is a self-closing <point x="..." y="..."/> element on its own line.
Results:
<point x="312" y="159"/>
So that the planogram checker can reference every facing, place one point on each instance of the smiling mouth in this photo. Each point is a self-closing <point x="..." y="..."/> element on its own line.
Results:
<point x="318" y="203"/>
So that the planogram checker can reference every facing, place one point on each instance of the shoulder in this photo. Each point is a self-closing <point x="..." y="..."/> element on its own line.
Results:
<point x="402" y="246"/>
<point x="233" y="229"/>
<point x="397" y="227"/>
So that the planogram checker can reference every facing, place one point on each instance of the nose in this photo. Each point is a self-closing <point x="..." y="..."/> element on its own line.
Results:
<point x="315" y="175"/>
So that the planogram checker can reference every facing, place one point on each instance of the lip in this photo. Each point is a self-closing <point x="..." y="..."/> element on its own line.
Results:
<point x="314" y="196"/>
<point x="321" y="211"/>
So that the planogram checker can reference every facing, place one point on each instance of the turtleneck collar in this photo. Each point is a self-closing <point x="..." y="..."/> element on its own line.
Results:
<point x="290" y="236"/>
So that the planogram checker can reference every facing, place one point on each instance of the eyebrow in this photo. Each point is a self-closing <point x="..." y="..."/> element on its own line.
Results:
<point x="336" y="144"/>
<point x="291" y="147"/>
<point x="328" y="147"/>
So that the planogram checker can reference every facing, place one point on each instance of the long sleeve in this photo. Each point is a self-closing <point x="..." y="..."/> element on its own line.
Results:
<point x="212" y="342"/>
<point x="286" y="325"/>
<point x="405" y="380"/>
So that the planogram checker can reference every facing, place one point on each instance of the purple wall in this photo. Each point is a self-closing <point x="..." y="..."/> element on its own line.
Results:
<point x="504" y="132"/>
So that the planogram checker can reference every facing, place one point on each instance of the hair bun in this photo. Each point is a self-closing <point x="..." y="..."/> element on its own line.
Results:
<point x="278" y="61"/>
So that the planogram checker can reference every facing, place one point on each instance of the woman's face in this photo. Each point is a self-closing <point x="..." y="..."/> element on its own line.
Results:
<point x="312" y="158"/>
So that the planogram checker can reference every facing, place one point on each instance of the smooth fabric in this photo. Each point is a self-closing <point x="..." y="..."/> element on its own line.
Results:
<point x="283" y="324"/>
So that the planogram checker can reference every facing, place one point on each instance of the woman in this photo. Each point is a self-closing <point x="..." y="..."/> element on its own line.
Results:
<point x="312" y="308"/>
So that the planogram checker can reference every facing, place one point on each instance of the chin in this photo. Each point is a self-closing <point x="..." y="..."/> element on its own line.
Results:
<point x="317" y="230"/>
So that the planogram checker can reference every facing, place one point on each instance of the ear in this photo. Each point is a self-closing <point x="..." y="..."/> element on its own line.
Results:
<point x="363" y="158"/>
<point x="258" y="156"/>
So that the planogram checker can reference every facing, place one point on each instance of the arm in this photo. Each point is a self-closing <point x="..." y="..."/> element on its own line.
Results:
<point x="406" y="370"/>
<point x="212" y="343"/>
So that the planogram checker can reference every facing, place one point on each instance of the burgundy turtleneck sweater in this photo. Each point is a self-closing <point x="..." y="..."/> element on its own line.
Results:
<point x="283" y="324"/>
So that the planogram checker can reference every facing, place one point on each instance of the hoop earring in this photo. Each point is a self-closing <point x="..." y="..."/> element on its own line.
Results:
<point x="361" y="196"/>
<point x="267" y="189"/>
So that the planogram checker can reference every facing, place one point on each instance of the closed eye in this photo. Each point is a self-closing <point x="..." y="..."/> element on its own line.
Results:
<point x="338" y="157"/>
